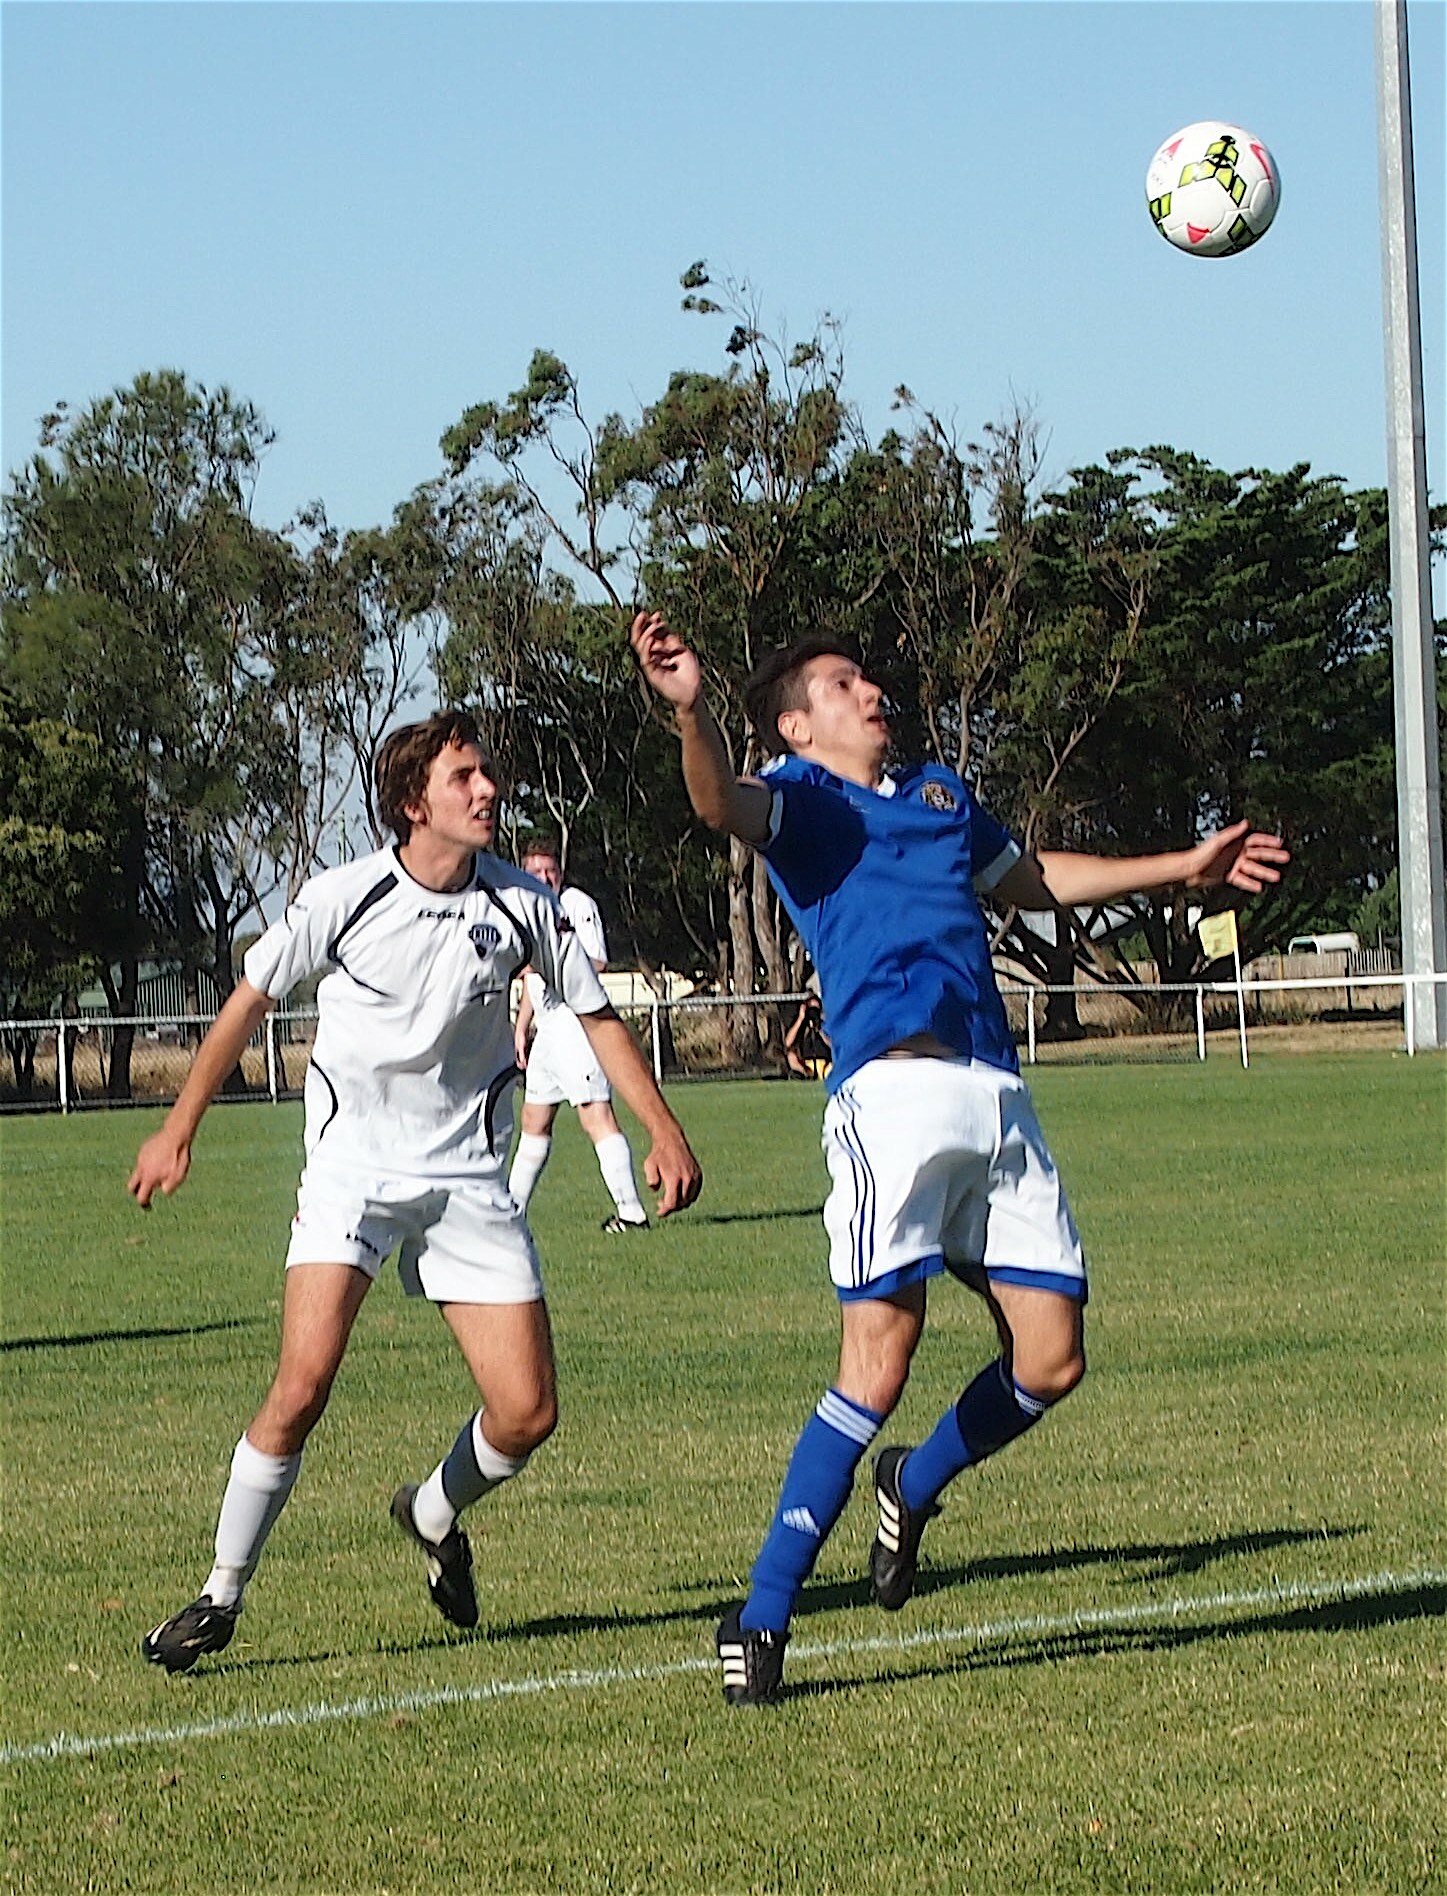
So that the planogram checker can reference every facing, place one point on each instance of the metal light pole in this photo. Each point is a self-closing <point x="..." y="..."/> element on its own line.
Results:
<point x="1419" y="777"/>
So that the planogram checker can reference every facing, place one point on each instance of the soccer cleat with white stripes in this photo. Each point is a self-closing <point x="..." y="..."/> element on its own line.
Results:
<point x="752" y="1661"/>
<point x="895" y="1554"/>
<point x="618" y="1223"/>
<point x="449" y="1563"/>
<point x="198" y="1629"/>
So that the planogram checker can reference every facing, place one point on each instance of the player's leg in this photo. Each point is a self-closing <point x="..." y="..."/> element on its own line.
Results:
<point x="877" y="1343"/>
<point x="615" y="1162"/>
<point x="535" y="1144"/>
<point x="319" y="1306"/>
<point x="509" y="1350"/>
<point x="477" y="1262"/>
<point x="1026" y="1261"/>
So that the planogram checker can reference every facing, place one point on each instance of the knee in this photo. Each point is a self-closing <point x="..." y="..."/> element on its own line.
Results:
<point x="1054" y="1378"/>
<point x="293" y="1407"/>
<point x="521" y="1426"/>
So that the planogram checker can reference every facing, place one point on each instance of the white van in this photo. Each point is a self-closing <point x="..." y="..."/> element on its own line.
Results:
<point x="1345" y="942"/>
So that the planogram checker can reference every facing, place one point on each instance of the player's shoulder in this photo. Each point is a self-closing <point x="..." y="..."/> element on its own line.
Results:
<point x="505" y="878"/>
<point x="787" y="768"/>
<point x="578" y="903"/>
<point x="520" y="894"/>
<point x="346" y="882"/>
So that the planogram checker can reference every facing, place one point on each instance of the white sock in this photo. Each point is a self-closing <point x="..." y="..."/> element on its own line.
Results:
<point x="255" y="1494"/>
<point x="471" y="1468"/>
<point x="528" y="1161"/>
<point x="615" y="1162"/>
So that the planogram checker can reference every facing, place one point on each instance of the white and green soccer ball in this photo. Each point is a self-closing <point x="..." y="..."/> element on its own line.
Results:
<point x="1213" y="189"/>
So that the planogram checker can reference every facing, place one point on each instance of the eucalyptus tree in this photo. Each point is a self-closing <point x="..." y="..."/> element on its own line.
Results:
<point x="136" y="587"/>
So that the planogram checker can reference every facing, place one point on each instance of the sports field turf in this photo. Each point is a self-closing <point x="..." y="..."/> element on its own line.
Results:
<point x="1188" y="1636"/>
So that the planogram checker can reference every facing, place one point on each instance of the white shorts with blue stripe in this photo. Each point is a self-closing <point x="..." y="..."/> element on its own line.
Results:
<point x="942" y="1164"/>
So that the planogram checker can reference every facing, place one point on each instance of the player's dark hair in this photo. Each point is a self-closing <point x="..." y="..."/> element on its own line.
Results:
<point x="776" y="685"/>
<point x="543" y="843"/>
<point x="406" y="757"/>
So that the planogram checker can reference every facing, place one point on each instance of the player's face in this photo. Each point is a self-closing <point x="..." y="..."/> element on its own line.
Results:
<point x="844" y="717"/>
<point x="459" y="805"/>
<point x="546" y="869"/>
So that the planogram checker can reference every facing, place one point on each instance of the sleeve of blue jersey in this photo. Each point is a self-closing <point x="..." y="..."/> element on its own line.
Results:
<point x="990" y="841"/>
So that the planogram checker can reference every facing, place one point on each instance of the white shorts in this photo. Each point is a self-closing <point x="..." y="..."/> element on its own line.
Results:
<point x="941" y="1164"/>
<point x="458" y="1240"/>
<point x="562" y="1065"/>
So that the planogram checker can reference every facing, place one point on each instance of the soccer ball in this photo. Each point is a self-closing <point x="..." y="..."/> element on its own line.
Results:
<point x="1213" y="189"/>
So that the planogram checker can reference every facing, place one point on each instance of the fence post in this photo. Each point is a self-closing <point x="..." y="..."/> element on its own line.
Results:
<point x="655" y="1039"/>
<point x="62" y="1079"/>
<point x="1409" y="1012"/>
<point x="1030" y="1022"/>
<point x="1200" y="1022"/>
<point x="269" y="1040"/>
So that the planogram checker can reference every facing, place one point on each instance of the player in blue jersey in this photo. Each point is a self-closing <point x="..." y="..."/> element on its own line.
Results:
<point x="935" y="1155"/>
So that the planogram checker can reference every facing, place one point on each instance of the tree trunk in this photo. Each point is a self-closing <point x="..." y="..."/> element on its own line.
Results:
<point x="1062" y="1011"/>
<point x="741" y="1037"/>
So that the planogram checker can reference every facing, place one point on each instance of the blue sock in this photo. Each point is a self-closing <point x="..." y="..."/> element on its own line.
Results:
<point x="820" y="1475"/>
<point x="991" y="1412"/>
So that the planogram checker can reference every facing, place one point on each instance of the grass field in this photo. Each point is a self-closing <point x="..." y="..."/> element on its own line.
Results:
<point x="1186" y="1637"/>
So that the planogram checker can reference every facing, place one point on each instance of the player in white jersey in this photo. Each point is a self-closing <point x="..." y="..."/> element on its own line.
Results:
<point x="559" y="1065"/>
<point x="936" y="1156"/>
<point x="408" y="1120"/>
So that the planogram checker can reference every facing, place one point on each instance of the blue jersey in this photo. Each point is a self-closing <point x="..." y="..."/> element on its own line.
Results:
<point x="881" y="887"/>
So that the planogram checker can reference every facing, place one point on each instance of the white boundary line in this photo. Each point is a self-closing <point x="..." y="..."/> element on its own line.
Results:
<point x="987" y="1632"/>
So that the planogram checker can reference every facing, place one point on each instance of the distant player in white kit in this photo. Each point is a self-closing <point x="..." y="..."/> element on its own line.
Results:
<point x="407" y="1125"/>
<point x="560" y="1064"/>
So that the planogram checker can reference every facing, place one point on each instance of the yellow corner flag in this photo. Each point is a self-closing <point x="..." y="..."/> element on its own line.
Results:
<point x="1218" y="934"/>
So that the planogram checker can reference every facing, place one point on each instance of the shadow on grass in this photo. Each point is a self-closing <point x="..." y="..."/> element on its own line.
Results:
<point x="1362" y="1613"/>
<point x="1365" y="1612"/>
<point x="757" y="1217"/>
<point x="1162" y="1560"/>
<point x="83" y="1339"/>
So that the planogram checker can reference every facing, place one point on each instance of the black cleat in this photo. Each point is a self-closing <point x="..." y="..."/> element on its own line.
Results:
<point x="752" y="1661"/>
<point x="895" y="1553"/>
<point x="449" y="1563"/>
<point x="619" y="1223"/>
<point x="196" y="1630"/>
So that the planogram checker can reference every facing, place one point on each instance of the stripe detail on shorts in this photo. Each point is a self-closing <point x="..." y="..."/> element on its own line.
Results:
<point x="861" y="1222"/>
<point x="1075" y="1287"/>
<point x="917" y="1273"/>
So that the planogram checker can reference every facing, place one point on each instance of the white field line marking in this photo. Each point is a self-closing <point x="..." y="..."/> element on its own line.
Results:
<point x="988" y="1632"/>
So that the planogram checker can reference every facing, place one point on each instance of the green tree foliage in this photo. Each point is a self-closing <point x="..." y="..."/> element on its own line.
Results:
<point x="135" y="586"/>
<point x="1118" y="665"/>
<point x="63" y="810"/>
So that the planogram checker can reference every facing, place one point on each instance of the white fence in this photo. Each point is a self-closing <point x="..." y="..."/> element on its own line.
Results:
<point x="713" y="1036"/>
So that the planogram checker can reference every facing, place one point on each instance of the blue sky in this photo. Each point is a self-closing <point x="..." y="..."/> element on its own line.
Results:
<point x="365" y="217"/>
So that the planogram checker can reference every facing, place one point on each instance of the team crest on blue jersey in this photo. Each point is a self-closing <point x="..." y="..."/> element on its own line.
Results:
<point x="484" y="938"/>
<point x="938" y="796"/>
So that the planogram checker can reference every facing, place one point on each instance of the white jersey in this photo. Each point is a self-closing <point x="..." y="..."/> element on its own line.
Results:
<point x="414" y="1046"/>
<point x="582" y="911"/>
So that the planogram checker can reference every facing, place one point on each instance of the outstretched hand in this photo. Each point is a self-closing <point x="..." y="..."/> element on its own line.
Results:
<point x="672" y="1171"/>
<point x="1242" y="858"/>
<point x="665" y="661"/>
<point x="161" y="1166"/>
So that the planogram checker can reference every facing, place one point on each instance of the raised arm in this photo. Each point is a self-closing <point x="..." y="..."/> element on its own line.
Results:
<point x="669" y="1165"/>
<point x="737" y="805"/>
<point x="164" y="1160"/>
<point x="1243" y="858"/>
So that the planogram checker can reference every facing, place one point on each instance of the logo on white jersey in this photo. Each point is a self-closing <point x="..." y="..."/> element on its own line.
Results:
<point x="484" y="938"/>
